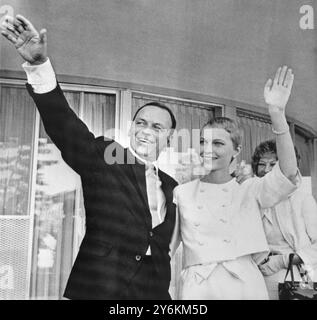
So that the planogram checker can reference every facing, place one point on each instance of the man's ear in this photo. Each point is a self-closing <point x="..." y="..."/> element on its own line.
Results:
<point x="169" y="137"/>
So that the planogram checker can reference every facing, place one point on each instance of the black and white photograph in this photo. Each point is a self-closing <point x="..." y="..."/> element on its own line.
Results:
<point x="158" y="150"/>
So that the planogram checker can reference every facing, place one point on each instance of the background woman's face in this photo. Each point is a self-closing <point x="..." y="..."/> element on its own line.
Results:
<point x="266" y="163"/>
<point x="216" y="148"/>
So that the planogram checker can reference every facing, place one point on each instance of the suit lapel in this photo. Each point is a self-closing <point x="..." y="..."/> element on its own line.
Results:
<point x="167" y="189"/>
<point x="138" y="170"/>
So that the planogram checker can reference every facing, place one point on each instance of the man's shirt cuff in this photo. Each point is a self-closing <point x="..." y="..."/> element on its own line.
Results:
<point x="41" y="77"/>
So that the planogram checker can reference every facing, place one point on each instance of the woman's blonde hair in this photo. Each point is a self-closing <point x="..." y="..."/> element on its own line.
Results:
<point x="231" y="126"/>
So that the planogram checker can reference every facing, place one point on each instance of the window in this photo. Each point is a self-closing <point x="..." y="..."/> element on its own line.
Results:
<point x="59" y="218"/>
<point x="17" y="131"/>
<point x="257" y="128"/>
<point x="42" y="218"/>
<point x="17" y="120"/>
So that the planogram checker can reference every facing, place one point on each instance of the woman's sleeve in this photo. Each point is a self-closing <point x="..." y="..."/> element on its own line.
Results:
<point x="274" y="187"/>
<point x="309" y="212"/>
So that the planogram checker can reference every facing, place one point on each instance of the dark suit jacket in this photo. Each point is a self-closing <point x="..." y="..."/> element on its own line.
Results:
<point x="118" y="218"/>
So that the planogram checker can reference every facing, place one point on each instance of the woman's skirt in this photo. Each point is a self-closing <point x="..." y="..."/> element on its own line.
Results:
<point x="238" y="279"/>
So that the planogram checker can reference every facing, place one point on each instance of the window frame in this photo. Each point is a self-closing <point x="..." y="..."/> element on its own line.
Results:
<point x="34" y="159"/>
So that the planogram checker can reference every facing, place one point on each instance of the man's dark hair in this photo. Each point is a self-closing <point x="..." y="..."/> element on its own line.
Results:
<point x="159" y="105"/>
<point x="268" y="146"/>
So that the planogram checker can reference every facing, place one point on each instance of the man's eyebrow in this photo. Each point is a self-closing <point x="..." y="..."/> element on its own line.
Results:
<point x="153" y="124"/>
<point x="138" y="118"/>
<point x="268" y="161"/>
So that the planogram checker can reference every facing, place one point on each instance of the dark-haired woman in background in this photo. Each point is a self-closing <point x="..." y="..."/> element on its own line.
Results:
<point x="290" y="226"/>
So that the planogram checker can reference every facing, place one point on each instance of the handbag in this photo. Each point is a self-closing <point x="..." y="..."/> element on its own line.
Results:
<point x="296" y="290"/>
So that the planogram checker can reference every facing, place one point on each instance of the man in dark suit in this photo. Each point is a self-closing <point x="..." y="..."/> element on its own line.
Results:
<point x="130" y="215"/>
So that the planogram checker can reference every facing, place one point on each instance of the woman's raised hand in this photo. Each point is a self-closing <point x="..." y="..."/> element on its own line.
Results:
<point x="277" y="92"/>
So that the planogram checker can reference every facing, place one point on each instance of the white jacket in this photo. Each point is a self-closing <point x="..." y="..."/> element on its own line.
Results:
<point x="247" y="232"/>
<point x="297" y="219"/>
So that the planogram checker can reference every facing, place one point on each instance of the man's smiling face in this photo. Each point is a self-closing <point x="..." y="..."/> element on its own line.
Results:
<point x="150" y="132"/>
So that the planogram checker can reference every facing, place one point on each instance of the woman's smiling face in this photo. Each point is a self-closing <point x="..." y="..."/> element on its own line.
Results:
<point x="216" y="148"/>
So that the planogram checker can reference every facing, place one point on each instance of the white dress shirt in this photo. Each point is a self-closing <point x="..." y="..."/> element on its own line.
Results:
<point x="156" y="197"/>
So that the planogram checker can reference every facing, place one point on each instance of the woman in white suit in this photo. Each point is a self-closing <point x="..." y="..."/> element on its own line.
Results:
<point x="219" y="220"/>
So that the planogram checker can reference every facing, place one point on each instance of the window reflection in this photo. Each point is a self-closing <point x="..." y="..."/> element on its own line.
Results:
<point x="59" y="221"/>
<point x="17" y="122"/>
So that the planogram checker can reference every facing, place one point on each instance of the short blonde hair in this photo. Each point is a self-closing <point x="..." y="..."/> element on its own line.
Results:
<point x="231" y="126"/>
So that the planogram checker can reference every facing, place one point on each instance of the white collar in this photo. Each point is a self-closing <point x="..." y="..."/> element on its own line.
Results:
<point x="143" y="160"/>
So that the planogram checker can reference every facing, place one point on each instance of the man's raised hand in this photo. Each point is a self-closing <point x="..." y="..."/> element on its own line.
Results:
<point x="31" y="44"/>
<point x="277" y="92"/>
